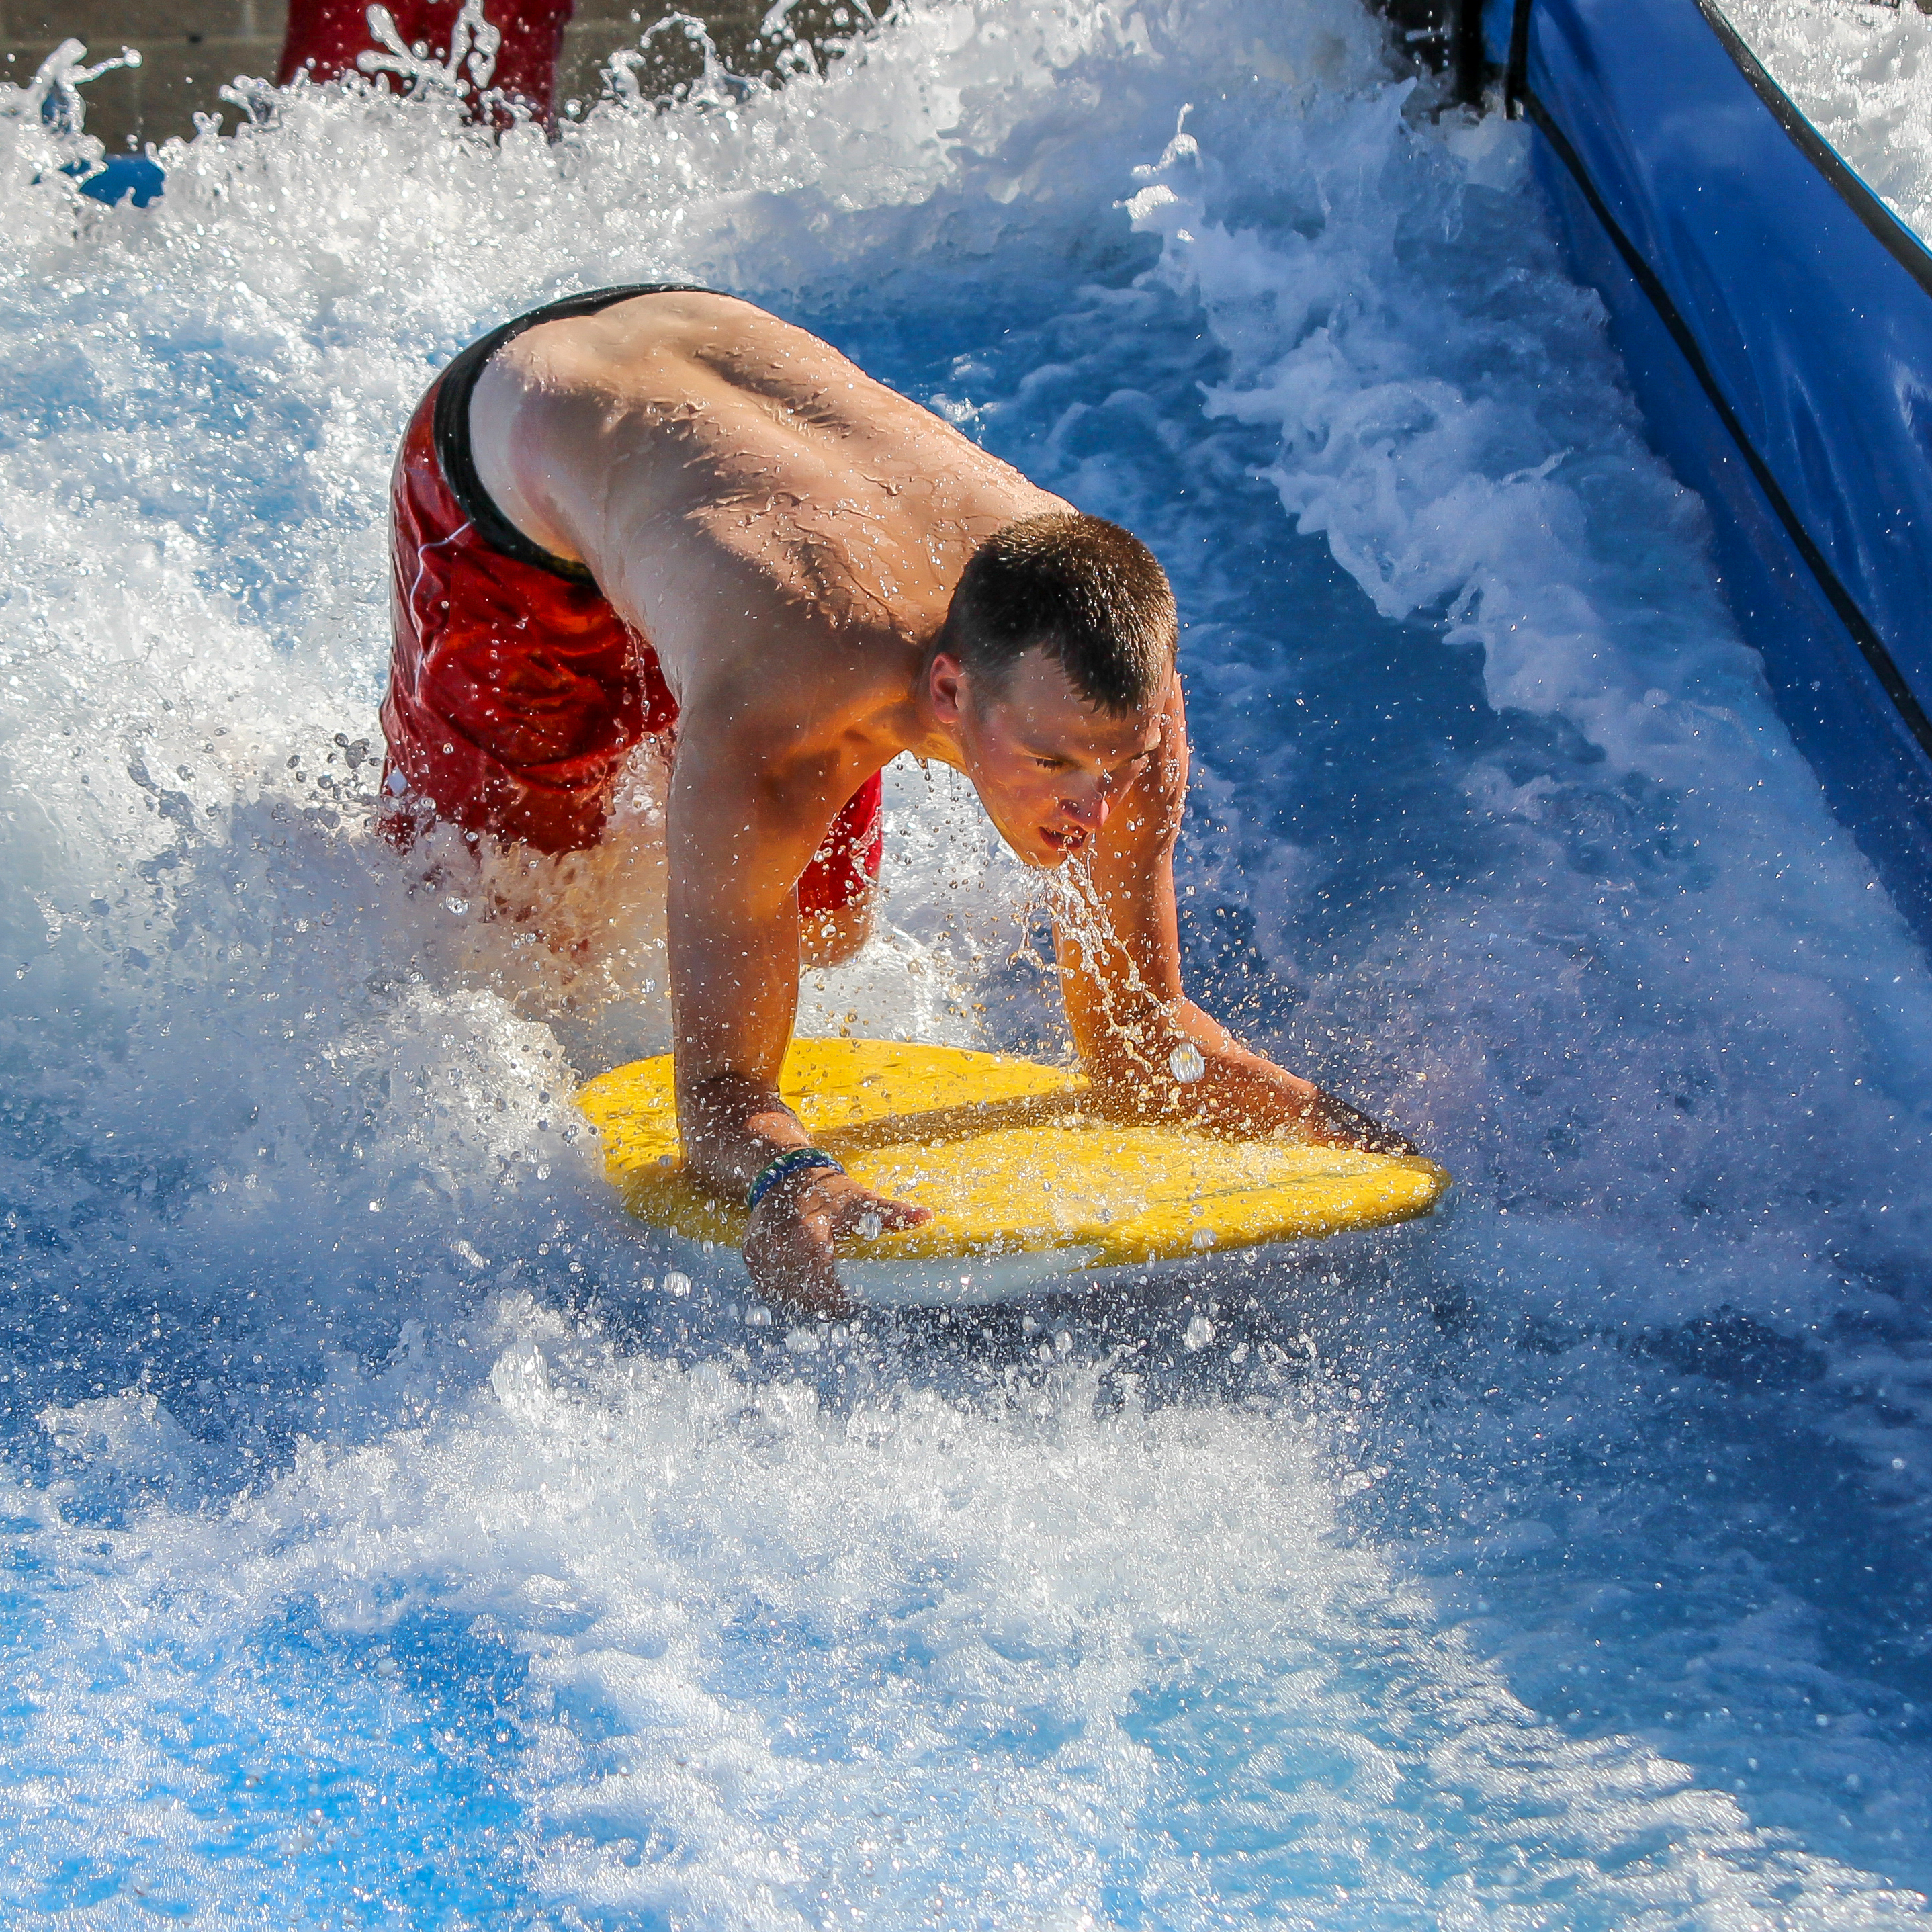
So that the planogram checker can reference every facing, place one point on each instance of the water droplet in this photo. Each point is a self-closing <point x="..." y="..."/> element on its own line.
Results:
<point x="1186" y="1063"/>
<point x="677" y="1284"/>
<point x="1200" y="1333"/>
<point x="870" y="1226"/>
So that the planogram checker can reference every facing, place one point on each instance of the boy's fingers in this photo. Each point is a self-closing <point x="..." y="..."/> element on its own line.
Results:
<point x="1354" y="1128"/>
<point x="856" y="1208"/>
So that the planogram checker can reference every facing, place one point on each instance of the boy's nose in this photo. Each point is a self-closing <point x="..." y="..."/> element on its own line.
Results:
<point x="1090" y="812"/>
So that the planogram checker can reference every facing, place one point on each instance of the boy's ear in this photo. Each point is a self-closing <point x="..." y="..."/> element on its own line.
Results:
<point x="945" y="687"/>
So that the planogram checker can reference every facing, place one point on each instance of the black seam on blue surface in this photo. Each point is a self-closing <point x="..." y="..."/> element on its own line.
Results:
<point x="1903" y="246"/>
<point x="1910" y="711"/>
<point x="450" y="426"/>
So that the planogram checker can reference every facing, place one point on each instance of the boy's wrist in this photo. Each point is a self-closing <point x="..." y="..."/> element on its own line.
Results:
<point x="786" y="1166"/>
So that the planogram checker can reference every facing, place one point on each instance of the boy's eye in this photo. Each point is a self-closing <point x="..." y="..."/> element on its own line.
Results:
<point x="1048" y="764"/>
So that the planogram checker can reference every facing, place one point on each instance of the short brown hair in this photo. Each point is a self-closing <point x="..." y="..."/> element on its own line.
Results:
<point x="1088" y="593"/>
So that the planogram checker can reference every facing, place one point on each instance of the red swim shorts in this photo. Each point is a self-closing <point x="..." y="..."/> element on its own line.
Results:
<point x="517" y="693"/>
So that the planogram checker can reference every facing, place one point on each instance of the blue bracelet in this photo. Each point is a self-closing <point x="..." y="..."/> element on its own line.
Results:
<point x="793" y="1160"/>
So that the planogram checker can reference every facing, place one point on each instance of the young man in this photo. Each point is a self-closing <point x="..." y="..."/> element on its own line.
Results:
<point x="665" y="512"/>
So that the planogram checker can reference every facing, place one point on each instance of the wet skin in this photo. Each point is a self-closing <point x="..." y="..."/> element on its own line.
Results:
<point x="787" y="533"/>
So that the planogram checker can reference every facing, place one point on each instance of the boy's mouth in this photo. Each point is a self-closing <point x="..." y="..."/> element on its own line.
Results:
<point x="1072" y="840"/>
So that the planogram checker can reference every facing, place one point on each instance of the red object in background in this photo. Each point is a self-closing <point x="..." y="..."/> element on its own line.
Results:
<point x="516" y="695"/>
<point x="325" y="37"/>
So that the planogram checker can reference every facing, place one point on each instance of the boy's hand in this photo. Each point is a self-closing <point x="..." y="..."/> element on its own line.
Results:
<point x="1235" y="1091"/>
<point x="789" y="1246"/>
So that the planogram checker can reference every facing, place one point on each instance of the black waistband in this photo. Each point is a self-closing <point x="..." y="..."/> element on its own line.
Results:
<point x="451" y="427"/>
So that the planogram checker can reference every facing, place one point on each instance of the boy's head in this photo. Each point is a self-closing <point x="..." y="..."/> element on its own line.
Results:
<point x="1053" y="675"/>
<point x="1087" y="594"/>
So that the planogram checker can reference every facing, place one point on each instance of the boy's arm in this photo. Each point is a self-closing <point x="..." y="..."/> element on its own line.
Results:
<point x="1138" y="1033"/>
<point x="737" y="839"/>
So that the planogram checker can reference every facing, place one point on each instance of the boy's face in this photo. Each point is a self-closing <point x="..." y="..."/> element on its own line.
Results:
<point x="1048" y="767"/>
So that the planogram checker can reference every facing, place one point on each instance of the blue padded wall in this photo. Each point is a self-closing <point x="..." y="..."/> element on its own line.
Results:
<point x="1776" y="324"/>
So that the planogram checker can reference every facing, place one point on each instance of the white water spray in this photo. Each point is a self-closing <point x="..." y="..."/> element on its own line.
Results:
<point x="383" y="1539"/>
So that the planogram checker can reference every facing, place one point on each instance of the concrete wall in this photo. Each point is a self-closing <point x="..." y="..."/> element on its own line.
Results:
<point x="189" y="48"/>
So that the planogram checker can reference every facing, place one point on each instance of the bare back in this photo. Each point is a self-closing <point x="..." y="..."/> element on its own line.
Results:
<point x="785" y="530"/>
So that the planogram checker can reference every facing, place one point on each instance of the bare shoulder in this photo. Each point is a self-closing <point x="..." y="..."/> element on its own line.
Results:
<point x="761" y="507"/>
<point x="787" y="742"/>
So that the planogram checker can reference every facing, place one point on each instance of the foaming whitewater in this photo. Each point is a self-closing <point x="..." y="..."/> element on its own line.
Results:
<point x="395" y="1535"/>
<point x="1862" y="76"/>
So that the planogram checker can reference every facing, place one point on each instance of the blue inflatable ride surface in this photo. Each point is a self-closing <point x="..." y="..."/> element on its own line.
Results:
<point x="1776" y="320"/>
<point x="122" y="178"/>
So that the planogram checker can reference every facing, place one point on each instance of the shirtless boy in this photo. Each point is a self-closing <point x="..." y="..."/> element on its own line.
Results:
<point x="660" y="511"/>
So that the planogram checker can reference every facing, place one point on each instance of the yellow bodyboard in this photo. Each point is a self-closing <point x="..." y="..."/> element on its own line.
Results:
<point x="1001" y="1151"/>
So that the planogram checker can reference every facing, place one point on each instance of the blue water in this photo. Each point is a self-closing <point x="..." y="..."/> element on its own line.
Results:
<point x="385" y="1546"/>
